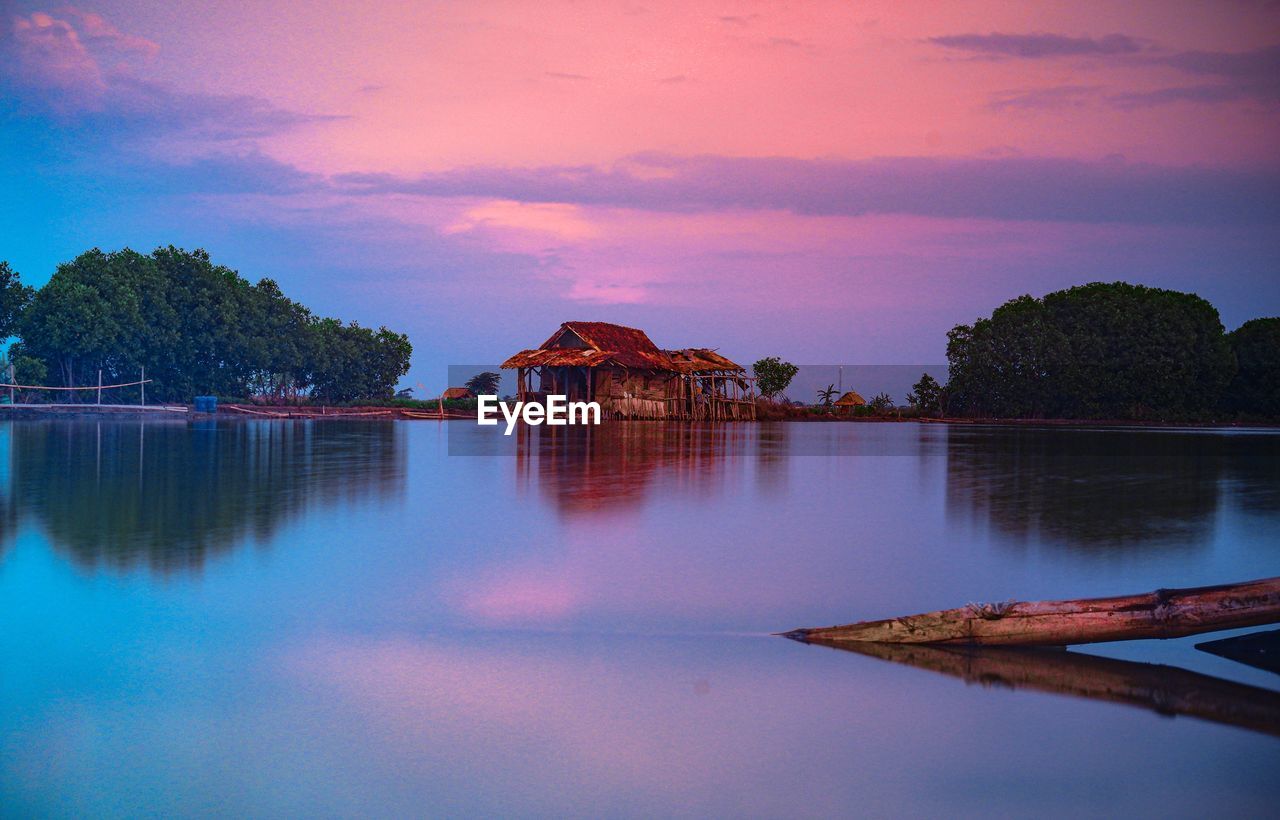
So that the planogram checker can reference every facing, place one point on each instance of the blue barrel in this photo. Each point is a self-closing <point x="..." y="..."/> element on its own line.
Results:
<point x="206" y="404"/>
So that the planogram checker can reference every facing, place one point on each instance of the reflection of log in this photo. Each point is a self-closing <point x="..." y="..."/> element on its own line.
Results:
<point x="1165" y="613"/>
<point x="1168" y="690"/>
<point x="1260" y="649"/>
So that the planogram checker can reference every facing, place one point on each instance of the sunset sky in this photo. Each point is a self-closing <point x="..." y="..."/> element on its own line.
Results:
<point x="828" y="182"/>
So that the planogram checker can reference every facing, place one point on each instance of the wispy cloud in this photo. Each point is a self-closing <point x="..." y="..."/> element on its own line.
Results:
<point x="46" y="55"/>
<point x="1240" y="75"/>
<point x="1010" y="188"/>
<point x="1058" y="96"/>
<point x="60" y="68"/>
<point x="1223" y="76"/>
<point x="95" y="29"/>
<point x="1255" y="65"/>
<point x="249" y="172"/>
<point x="1041" y="45"/>
<point x="1204" y="94"/>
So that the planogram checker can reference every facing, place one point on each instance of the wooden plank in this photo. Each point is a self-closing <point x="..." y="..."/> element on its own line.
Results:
<point x="1165" y="613"/>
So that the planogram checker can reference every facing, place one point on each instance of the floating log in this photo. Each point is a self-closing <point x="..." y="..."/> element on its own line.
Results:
<point x="1165" y="613"/>
<point x="1168" y="690"/>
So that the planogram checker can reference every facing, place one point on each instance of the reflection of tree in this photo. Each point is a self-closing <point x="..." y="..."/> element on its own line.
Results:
<point x="1096" y="489"/>
<point x="1254" y="481"/>
<point x="171" y="494"/>
<point x="586" y="470"/>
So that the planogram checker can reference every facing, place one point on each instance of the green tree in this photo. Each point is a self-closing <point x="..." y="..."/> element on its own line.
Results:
<point x="198" y="328"/>
<point x="485" y="384"/>
<point x="355" y="362"/>
<point x="881" y="403"/>
<point x="14" y="299"/>
<point x="1095" y="351"/>
<point x="1256" y="388"/>
<point x="773" y="375"/>
<point x="203" y="327"/>
<point x="926" y="395"/>
<point x="90" y="316"/>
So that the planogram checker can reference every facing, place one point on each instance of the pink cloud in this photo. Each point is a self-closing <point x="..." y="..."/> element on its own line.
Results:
<point x="95" y="29"/>
<point x="51" y="57"/>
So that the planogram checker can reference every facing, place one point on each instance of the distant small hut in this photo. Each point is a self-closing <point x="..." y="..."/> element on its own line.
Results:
<point x="457" y="393"/>
<point x="630" y="377"/>
<point x="850" y="400"/>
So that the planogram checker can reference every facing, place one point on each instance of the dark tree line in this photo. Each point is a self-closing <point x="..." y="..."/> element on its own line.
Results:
<point x="1112" y="351"/>
<point x="197" y="327"/>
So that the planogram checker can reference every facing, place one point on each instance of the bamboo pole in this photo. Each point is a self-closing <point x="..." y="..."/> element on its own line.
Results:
<point x="1165" y="613"/>
<point x="99" y="385"/>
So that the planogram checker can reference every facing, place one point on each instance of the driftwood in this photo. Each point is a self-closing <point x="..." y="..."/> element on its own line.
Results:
<point x="1168" y="690"/>
<point x="1165" y="613"/>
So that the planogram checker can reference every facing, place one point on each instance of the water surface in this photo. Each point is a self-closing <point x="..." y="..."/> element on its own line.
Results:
<point x="339" y="618"/>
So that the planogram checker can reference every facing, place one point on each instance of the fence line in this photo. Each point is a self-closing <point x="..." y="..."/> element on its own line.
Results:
<point x="90" y="387"/>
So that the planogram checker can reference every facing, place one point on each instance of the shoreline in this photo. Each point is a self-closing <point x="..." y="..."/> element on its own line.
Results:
<point x="170" y="412"/>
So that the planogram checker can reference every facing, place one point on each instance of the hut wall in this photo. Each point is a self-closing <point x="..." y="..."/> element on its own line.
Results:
<point x="636" y="394"/>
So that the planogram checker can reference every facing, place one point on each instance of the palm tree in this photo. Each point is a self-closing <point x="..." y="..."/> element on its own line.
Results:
<point x="485" y="384"/>
<point x="826" y="396"/>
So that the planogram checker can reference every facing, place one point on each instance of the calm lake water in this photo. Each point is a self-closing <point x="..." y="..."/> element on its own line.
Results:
<point x="313" y="619"/>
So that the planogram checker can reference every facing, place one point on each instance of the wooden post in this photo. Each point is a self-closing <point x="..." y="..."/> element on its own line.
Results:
<point x="99" y="385"/>
<point x="143" y="385"/>
<point x="12" y="380"/>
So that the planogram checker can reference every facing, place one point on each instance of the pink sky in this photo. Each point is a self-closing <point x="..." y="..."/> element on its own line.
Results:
<point x="874" y="172"/>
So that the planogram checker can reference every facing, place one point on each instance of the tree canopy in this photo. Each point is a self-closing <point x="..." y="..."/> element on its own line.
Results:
<point x="773" y="375"/>
<point x="1256" y="388"/>
<point x="926" y="395"/>
<point x="14" y="298"/>
<point x="484" y="384"/>
<point x="1096" y="351"/>
<point x="198" y="328"/>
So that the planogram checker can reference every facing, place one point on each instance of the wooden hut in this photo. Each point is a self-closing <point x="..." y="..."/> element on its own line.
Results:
<point x="457" y="393"/>
<point x="630" y="377"/>
<point x="850" y="400"/>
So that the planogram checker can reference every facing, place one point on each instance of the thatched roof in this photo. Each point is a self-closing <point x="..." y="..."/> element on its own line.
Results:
<point x="457" y="393"/>
<point x="702" y="360"/>
<point x="593" y="344"/>
<point x="851" y="399"/>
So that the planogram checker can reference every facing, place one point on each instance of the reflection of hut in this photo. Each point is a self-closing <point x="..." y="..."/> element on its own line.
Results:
<point x="457" y="393"/>
<point x="850" y="400"/>
<point x="623" y="370"/>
